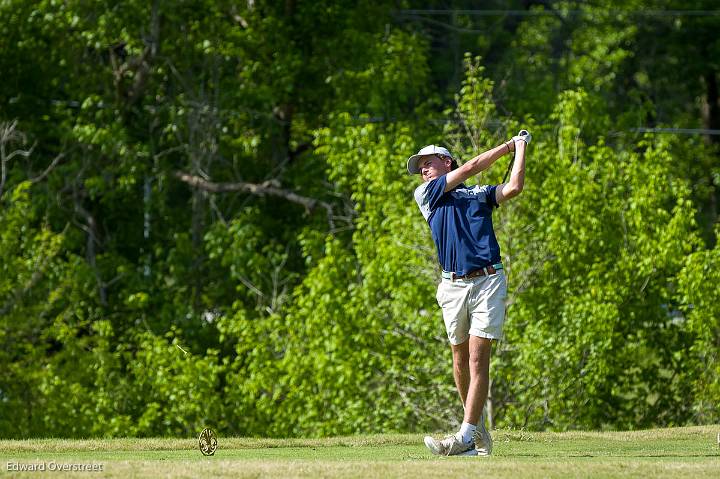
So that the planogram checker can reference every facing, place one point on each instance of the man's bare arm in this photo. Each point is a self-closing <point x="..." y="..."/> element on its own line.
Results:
<point x="515" y="186"/>
<point x="481" y="162"/>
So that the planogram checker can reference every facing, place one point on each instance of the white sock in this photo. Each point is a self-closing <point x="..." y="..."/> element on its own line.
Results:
<point x="466" y="432"/>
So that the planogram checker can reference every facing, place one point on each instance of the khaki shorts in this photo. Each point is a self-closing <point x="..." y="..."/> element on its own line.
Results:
<point x="474" y="306"/>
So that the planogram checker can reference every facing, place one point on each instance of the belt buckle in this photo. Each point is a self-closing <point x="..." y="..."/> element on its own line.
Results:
<point x="484" y="271"/>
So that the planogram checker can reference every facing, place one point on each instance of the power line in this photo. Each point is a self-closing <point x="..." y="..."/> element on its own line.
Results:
<point x="539" y="13"/>
<point x="499" y="123"/>
<point x="681" y="131"/>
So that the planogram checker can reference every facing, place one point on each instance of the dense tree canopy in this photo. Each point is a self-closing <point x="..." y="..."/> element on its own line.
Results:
<point x="205" y="217"/>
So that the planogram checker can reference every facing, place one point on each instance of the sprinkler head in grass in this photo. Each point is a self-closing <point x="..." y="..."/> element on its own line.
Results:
<point x="207" y="442"/>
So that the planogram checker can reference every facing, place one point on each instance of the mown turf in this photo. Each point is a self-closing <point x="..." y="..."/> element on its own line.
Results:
<point x="677" y="453"/>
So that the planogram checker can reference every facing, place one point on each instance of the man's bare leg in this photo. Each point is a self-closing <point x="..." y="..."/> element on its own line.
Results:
<point x="479" y="368"/>
<point x="461" y="369"/>
<point x="457" y="444"/>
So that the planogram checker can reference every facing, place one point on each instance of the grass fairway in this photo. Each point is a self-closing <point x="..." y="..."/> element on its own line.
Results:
<point x="678" y="453"/>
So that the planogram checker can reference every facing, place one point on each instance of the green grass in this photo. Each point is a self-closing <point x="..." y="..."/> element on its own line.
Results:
<point x="678" y="453"/>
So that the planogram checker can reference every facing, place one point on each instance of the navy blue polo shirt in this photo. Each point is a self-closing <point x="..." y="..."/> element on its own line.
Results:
<point x="461" y="224"/>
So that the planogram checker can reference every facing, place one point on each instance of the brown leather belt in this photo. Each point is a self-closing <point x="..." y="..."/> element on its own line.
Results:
<point x="487" y="270"/>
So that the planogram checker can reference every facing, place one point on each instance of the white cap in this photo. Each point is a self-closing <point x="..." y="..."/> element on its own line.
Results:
<point x="412" y="162"/>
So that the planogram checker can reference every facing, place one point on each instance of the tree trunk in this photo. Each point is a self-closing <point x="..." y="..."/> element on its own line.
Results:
<point x="711" y="106"/>
<point x="711" y="121"/>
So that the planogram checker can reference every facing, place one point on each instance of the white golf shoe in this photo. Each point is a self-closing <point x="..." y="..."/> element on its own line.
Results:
<point x="450" y="446"/>
<point x="483" y="439"/>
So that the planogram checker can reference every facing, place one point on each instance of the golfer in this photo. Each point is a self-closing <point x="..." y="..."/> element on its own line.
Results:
<point x="473" y="288"/>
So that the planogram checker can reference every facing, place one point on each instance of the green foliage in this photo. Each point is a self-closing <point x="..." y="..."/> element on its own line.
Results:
<point x="700" y="300"/>
<point x="611" y="235"/>
<point x="35" y="281"/>
<point x="304" y="292"/>
<point x="475" y="112"/>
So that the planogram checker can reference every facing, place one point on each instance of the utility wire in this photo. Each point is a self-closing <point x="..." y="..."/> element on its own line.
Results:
<point x="681" y="131"/>
<point x="539" y="13"/>
<point x="497" y="123"/>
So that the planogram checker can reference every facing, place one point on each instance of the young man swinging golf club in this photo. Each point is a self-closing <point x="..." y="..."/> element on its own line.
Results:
<point x="473" y="288"/>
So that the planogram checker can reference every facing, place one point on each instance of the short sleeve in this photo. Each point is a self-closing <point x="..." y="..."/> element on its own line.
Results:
<point x="488" y="192"/>
<point x="428" y="195"/>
